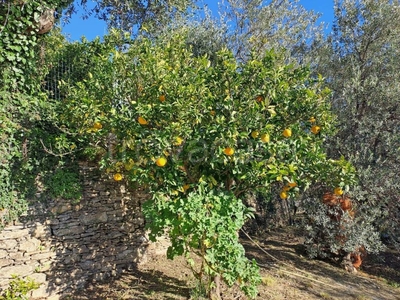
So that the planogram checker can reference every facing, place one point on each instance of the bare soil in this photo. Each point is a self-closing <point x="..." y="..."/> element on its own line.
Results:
<point x="286" y="271"/>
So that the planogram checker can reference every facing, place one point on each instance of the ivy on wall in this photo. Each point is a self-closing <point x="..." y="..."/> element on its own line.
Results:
<point x="22" y="27"/>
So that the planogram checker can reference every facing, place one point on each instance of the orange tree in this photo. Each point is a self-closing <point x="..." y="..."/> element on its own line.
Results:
<point x="199" y="137"/>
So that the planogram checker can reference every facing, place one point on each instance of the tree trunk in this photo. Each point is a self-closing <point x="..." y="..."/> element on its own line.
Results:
<point x="215" y="293"/>
<point x="46" y="21"/>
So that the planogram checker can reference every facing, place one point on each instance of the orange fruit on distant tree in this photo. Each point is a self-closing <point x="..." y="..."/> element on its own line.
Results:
<point x="254" y="134"/>
<point x="97" y="125"/>
<point x="178" y="141"/>
<point x="142" y="121"/>
<point x="117" y="176"/>
<point x="292" y="184"/>
<point x="265" y="138"/>
<point x="259" y="98"/>
<point x="315" y="129"/>
<point x="161" y="161"/>
<point x="338" y="191"/>
<point x="283" y="195"/>
<point x="229" y="151"/>
<point x="287" y="133"/>
<point x="312" y="120"/>
<point x="161" y="98"/>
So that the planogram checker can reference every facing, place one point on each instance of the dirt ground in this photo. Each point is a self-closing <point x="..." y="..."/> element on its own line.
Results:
<point x="291" y="276"/>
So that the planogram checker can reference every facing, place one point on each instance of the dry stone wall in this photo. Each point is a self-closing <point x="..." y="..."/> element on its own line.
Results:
<point x="63" y="246"/>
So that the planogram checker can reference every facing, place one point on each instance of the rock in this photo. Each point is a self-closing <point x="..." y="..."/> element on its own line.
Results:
<point x="30" y="245"/>
<point x="42" y="256"/>
<point x="94" y="218"/>
<point x="9" y="245"/>
<point x="61" y="209"/>
<point x="3" y="253"/>
<point x="13" y="232"/>
<point x="41" y="231"/>
<point x="21" y="270"/>
<point x="74" y="230"/>
<point x="5" y="262"/>
<point x="38" y="277"/>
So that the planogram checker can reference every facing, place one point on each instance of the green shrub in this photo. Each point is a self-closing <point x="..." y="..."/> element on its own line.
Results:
<point x="19" y="288"/>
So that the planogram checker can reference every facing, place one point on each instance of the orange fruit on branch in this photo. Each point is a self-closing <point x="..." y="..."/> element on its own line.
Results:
<point x="265" y="138"/>
<point x="254" y="134"/>
<point x="315" y="129"/>
<point x="292" y="184"/>
<point x="142" y="121"/>
<point x="338" y="191"/>
<point x="161" y="161"/>
<point x="283" y="195"/>
<point x="287" y="133"/>
<point x="229" y="151"/>
<point x="178" y="141"/>
<point x="97" y="125"/>
<point x="117" y="176"/>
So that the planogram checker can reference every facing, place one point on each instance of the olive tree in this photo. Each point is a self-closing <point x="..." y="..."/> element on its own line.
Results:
<point x="361" y="62"/>
<point x="132" y="15"/>
<point x="260" y="25"/>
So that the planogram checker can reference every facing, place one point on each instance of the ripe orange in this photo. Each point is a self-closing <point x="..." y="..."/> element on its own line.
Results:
<point x="161" y="98"/>
<point x="292" y="184"/>
<point x="287" y="133"/>
<point x="97" y="125"/>
<point x="265" y="138"/>
<point x="312" y="120"/>
<point x="178" y="141"/>
<point x="186" y="187"/>
<point x="161" y="161"/>
<point x="259" y="98"/>
<point x="229" y="151"/>
<point x="338" y="191"/>
<point x="118" y="177"/>
<point x="283" y="195"/>
<point x="142" y="121"/>
<point x="254" y="134"/>
<point x="315" y="129"/>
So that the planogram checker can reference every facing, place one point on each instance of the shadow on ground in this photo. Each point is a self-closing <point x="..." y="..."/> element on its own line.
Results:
<point x="326" y="278"/>
<point x="139" y="285"/>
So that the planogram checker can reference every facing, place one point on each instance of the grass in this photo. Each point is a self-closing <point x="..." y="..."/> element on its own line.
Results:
<point x="268" y="280"/>
<point x="362" y="297"/>
<point x="326" y="296"/>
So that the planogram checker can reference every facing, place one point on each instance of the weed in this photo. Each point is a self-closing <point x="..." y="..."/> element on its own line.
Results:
<point x="326" y="296"/>
<point x="362" y="297"/>
<point x="268" y="280"/>
<point x="393" y="284"/>
<point x="18" y="288"/>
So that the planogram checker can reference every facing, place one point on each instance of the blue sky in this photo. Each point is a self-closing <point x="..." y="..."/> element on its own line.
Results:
<point x="90" y="28"/>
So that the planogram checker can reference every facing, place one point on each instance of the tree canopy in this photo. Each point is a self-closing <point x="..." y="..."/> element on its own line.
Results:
<point x="202" y="115"/>
<point x="131" y="15"/>
<point x="362" y="67"/>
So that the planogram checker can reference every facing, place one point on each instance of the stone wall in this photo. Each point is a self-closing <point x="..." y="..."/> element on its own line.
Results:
<point x="63" y="245"/>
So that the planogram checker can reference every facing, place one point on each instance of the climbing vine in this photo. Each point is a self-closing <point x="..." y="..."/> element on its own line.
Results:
<point x="23" y="25"/>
